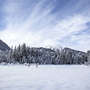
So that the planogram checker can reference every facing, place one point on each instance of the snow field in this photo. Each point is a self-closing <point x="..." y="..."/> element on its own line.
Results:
<point x="44" y="77"/>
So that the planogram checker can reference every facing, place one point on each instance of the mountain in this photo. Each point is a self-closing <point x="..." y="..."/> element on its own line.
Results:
<point x="4" y="46"/>
<point x="69" y="50"/>
<point x="25" y="54"/>
<point x="74" y="56"/>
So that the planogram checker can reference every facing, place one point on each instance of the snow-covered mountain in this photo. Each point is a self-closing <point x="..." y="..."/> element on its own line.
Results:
<point x="23" y="54"/>
<point x="4" y="46"/>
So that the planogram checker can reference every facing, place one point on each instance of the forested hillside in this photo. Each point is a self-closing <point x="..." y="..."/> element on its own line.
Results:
<point x="24" y="54"/>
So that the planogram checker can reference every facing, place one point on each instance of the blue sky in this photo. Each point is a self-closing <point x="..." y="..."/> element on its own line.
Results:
<point x="46" y="23"/>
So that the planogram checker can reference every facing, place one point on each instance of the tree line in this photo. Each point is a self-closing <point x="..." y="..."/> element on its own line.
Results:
<point x="24" y="54"/>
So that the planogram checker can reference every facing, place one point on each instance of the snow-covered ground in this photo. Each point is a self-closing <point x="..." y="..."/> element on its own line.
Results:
<point x="45" y="77"/>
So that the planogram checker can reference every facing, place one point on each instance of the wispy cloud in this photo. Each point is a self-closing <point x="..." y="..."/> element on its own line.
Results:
<point x="36" y="23"/>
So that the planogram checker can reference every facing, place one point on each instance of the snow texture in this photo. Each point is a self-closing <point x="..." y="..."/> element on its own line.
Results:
<point x="44" y="77"/>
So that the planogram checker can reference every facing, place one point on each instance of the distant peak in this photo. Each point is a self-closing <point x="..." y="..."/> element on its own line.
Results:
<point x="4" y="46"/>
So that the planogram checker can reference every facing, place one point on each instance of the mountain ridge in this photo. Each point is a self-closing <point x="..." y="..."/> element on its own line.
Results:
<point x="4" y="46"/>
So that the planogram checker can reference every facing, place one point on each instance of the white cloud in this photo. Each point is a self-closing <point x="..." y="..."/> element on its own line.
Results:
<point x="41" y="28"/>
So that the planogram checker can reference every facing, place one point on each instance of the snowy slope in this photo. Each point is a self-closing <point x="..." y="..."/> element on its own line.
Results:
<point x="4" y="46"/>
<point x="45" y="77"/>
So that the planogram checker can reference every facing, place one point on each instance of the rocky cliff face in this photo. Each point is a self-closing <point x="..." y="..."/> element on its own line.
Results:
<point x="4" y="46"/>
